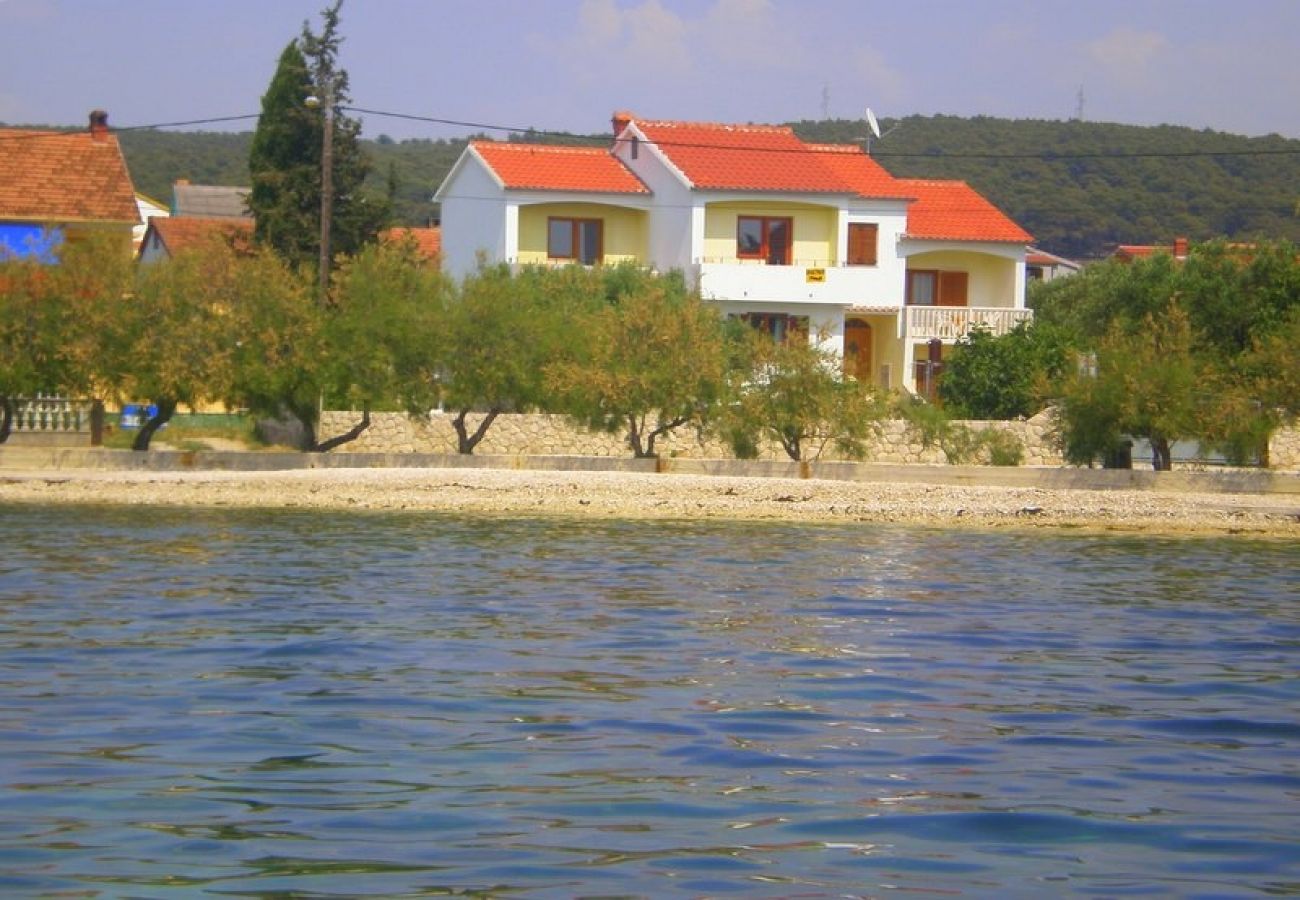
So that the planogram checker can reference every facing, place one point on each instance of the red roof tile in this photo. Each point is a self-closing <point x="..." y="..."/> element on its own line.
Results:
<point x="743" y="157"/>
<point x="428" y="241"/>
<point x="863" y="174"/>
<point x="547" y="167"/>
<point x="56" y="177"/>
<point x="180" y="233"/>
<point x="953" y="210"/>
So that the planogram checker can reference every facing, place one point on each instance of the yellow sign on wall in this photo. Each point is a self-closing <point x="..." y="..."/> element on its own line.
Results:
<point x="814" y="276"/>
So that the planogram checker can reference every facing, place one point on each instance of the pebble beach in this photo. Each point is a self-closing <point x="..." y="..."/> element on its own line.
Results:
<point x="625" y="495"/>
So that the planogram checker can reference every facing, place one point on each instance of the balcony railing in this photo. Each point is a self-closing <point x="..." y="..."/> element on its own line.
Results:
<point x="47" y="419"/>
<point x="952" y="323"/>
<point x="805" y="281"/>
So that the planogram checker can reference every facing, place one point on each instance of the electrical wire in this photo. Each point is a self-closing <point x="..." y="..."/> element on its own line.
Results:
<point x="597" y="140"/>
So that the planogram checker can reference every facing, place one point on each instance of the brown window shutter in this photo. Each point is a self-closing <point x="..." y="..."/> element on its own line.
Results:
<point x="862" y="244"/>
<point x="952" y="288"/>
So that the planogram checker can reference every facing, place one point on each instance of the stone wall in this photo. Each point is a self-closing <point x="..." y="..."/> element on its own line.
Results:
<point x="1284" y="450"/>
<point x="548" y="435"/>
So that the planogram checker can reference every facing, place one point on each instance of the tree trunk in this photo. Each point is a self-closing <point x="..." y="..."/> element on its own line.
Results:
<point x="6" y="418"/>
<point x="306" y="416"/>
<point x="350" y="435"/>
<point x="166" y="409"/>
<point x="650" y="438"/>
<point x="466" y="442"/>
<point x="1161" y="457"/>
<point x="640" y="448"/>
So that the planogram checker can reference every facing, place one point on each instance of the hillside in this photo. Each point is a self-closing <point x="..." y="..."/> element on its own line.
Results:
<point x="1079" y="187"/>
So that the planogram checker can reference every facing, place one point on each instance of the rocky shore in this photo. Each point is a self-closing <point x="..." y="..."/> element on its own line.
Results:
<point x="624" y="495"/>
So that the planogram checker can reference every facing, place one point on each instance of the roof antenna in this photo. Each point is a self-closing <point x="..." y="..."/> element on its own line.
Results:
<point x="874" y="125"/>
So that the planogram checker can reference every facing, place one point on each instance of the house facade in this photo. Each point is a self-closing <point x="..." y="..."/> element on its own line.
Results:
<point x="796" y="238"/>
<point x="58" y="186"/>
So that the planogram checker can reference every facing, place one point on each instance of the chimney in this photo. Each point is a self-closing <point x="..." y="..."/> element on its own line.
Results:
<point x="98" y="124"/>
<point x="621" y="120"/>
<point x="1180" y="248"/>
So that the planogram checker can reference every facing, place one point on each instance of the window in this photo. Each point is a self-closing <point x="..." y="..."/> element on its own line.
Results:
<point x="780" y="327"/>
<point x="927" y="287"/>
<point x="862" y="243"/>
<point x="579" y="240"/>
<point x="765" y="237"/>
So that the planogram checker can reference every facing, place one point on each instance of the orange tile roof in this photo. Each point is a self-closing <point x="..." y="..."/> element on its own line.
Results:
<point x="57" y="177"/>
<point x="179" y="233"/>
<point x="743" y="157"/>
<point x="863" y="174"/>
<point x="548" y="167"/>
<point x="428" y="241"/>
<point x="953" y="210"/>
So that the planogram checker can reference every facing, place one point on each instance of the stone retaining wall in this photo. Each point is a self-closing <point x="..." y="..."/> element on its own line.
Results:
<point x="549" y="435"/>
<point x="1284" y="450"/>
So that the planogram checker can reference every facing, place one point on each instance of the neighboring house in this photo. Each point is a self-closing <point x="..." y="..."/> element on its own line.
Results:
<point x="794" y="237"/>
<point x="1043" y="266"/>
<point x="209" y="201"/>
<point x="428" y="241"/>
<point x="57" y="186"/>
<point x="165" y="236"/>
<point x="148" y="209"/>
<point x="1130" y="252"/>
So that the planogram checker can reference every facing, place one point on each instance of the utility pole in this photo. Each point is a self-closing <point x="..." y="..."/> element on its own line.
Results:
<point x="326" y="187"/>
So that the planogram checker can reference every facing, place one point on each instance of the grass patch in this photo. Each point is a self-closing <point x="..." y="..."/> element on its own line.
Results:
<point x="190" y="431"/>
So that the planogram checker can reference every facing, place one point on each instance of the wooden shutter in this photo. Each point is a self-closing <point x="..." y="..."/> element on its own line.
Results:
<point x="862" y="243"/>
<point x="952" y="288"/>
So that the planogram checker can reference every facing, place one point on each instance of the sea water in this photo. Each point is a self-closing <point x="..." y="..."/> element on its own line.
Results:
<point x="325" y="704"/>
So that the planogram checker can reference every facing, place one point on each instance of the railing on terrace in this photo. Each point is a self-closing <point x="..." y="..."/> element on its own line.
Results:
<point x="799" y="263"/>
<point x="955" y="322"/>
<point x="52" y="418"/>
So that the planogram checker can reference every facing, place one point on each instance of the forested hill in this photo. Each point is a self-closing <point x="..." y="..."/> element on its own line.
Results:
<point x="1079" y="187"/>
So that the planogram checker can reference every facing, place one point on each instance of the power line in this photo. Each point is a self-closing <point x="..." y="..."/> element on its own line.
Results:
<point x="1041" y="156"/>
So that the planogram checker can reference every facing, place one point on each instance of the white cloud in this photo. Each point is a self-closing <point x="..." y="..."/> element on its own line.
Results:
<point x="1128" y="54"/>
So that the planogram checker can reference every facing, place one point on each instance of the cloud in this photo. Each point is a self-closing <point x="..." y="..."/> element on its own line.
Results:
<point x="1126" y="54"/>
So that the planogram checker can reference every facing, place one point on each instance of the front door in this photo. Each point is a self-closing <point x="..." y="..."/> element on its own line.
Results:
<point x="857" y="349"/>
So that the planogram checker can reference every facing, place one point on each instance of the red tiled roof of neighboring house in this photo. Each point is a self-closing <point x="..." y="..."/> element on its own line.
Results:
<point x="428" y="241"/>
<point x="863" y="174"/>
<point x="179" y="233"/>
<point x="57" y="177"/>
<point x="953" y="210"/>
<point x="713" y="156"/>
<point x="548" y="167"/>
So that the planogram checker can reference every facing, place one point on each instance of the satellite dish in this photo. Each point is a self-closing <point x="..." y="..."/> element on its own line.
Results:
<point x="872" y="123"/>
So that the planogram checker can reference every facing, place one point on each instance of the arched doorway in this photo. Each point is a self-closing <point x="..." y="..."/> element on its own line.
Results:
<point x="857" y="349"/>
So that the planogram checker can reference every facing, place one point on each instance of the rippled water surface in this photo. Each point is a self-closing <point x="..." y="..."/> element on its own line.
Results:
<point x="313" y="705"/>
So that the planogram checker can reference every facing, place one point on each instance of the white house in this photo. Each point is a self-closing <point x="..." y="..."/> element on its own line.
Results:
<point x="794" y="237"/>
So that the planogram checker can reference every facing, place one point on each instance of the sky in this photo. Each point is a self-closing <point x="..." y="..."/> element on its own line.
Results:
<point x="567" y="65"/>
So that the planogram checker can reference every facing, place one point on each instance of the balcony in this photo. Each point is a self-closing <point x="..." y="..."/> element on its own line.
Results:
<point x="805" y="281"/>
<point x="952" y="323"/>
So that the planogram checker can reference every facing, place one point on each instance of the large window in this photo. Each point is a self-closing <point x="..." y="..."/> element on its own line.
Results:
<point x="579" y="240"/>
<point x="780" y="327"/>
<point x="928" y="287"/>
<point x="862" y="243"/>
<point x="765" y="237"/>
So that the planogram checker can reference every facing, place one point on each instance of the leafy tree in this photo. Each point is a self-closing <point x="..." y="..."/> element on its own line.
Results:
<point x="796" y="394"/>
<point x="1004" y="377"/>
<point x="656" y="361"/>
<point x="279" y="346"/>
<point x="53" y="318"/>
<point x="501" y="332"/>
<point x="174" y="342"/>
<point x="286" y="160"/>
<point x="383" y="333"/>
<point x="1148" y="384"/>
